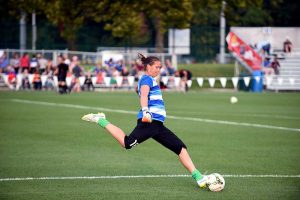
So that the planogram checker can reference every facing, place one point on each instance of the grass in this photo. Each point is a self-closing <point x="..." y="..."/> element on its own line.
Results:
<point x="49" y="141"/>
<point x="209" y="70"/>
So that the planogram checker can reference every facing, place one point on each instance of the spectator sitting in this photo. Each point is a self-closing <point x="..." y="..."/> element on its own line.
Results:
<point x="275" y="65"/>
<point x="185" y="76"/>
<point x="88" y="84"/>
<point x="287" y="45"/>
<point x="33" y="64"/>
<point x="125" y="72"/>
<point x="11" y="78"/>
<point x="120" y="65"/>
<point x="267" y="66"/>
<point x="49" y="84"/>
<point x="4" y="62"/>
<point x="15" y="62"/>
<point x="163" y="71"/>
<point x="263" y="47"/>
<point x="37" y="82"/>
<point x="24" y="62"/>
<point x="42" y="63"/>
<point x="25" y="80"/>
<point x="170" y="68"/>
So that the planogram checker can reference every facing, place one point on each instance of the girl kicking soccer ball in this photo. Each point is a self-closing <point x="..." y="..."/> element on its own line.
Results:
<point x="150" y="120"/>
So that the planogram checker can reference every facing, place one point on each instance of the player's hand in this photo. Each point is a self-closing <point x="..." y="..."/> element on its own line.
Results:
<point x="147" y="116"/>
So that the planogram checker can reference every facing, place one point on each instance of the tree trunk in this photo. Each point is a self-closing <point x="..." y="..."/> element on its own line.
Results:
<point x="159" y="35"/>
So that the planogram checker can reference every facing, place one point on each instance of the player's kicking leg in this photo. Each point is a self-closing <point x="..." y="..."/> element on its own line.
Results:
<point x="101" y="120"/>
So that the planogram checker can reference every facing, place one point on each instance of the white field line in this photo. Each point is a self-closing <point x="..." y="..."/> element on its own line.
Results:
<point x="169" y="116"/>
<point x="141" y="176"/>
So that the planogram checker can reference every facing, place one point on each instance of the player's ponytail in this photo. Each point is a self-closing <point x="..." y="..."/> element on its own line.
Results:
<point x="147" y="60"/>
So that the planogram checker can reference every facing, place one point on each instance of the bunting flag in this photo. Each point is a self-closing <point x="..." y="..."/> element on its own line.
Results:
<point x="130" y="80"/>
<point x="94" y="80"/>
<point x="269" y="80"/>
<point x="235" y="81"/>
<point x="119" y="80"/>
<point x="280" y="80"/>
<point x="189" y="83"/>
<point x="30" y="77"/>
<point x="19" y="81"/>
<point x="81" y="80"/>
<point x="107" y="81"/>
<point x="69" y="81"/>
<point x="292" y="81"/>
<point x="247" y="81"/>
<point x="177" y="81"/>
<point x="200" y="81"/>
<point x="44" y="79"/>
<point x="165" y="79"/>
<point x="223" y="81"/>
<point x="211" y="82"/>
<point x="257" y="78"/>
<point x="5" y="78"/>
<point x="55" y="81"/>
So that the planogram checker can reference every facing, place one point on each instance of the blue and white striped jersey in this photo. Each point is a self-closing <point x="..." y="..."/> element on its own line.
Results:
<point x="155" y="101"/>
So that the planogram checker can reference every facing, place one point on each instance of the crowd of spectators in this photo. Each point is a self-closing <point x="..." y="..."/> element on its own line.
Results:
<point x="34" y="72"/>
<point x="271" y="64"/>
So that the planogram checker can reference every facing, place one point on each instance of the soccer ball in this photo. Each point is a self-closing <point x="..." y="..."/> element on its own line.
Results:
<point x="233" y="100"/>
<point x="216" y="182"/>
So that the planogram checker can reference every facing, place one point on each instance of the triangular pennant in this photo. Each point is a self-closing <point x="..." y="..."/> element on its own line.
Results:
<point x="81" y="80"/>
<point x="119" y="80"/>
<point x="257" y="78"/>
<point x="200" y="81"/>
<point x="280" y="80"/>
<point x="211" y="82"/>
<point x="94" y="80"/>
<point x="30" y="77"/>
<point x="130" y="80"/>
<point x="292" y="81"/>
<point x="269" y="80"/>
<point x="247" y="81"/>
<point x="107" y="81"/>
<point x="5" y="78"/>
<point x="177" y="81"/>
<point x="235" y="81"/>
<point x="68" y="81"/>
<point x="165" y="79"/>
<point x="189" y="83"/>
<point x="223" y="81"/>
<point x="44" y="79"/>
<point x="55" y="81"/>
<point x="19" y="81"/>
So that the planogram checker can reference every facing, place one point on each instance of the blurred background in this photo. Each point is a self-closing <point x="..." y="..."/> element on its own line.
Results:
<point x="186" y="32"/>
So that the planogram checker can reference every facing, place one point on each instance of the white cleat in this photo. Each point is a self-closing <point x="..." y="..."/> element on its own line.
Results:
<point x="93" y="117"/>
<point x="203" y="182"/>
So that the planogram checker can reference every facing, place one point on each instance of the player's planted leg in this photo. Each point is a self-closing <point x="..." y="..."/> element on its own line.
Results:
<point x="187" y="162"/>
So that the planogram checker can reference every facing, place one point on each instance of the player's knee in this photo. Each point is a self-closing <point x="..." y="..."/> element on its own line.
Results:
<point x="130" y="142"/>
<point x="178" y="147"/>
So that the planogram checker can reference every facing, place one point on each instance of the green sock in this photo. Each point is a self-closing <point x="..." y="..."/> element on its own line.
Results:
<point x="196" y="175"/>
<point x="103" y="122"/>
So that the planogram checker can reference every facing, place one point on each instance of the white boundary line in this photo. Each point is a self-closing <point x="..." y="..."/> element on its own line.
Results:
<point x="169" y="116"/>
<point x="141" y="176"/>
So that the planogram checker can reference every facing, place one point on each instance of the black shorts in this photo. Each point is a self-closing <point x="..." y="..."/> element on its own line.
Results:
<point x="158" y="132"/>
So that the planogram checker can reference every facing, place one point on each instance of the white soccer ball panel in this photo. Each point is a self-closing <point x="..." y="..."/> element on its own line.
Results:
<point x="217" y="183"/>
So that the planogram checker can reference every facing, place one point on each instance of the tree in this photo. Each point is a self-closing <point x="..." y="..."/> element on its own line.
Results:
<point x="167" y="14"/>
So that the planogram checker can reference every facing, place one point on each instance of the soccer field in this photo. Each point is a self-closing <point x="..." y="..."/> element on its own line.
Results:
<point x="47" y="152"/>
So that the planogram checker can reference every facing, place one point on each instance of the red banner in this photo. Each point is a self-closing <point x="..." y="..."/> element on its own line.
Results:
<point x="244" y="51"/>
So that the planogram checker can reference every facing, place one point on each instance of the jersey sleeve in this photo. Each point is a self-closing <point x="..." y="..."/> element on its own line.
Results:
<point x="146" y="80"/>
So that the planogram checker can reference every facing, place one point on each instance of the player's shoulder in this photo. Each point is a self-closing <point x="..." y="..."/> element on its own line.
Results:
<point x="146" y="80"/>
